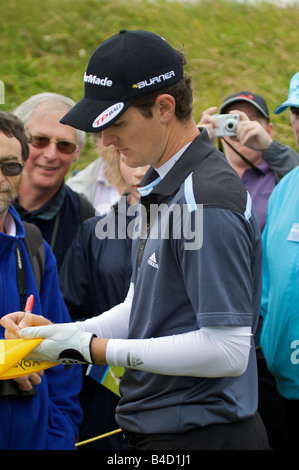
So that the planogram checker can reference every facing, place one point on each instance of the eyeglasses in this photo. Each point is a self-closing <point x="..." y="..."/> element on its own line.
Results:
<point x="64" y="146"/>
<point x="11" y="168"/>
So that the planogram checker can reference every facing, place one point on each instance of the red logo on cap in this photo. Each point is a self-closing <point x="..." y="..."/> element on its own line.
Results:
<point x="246" y="96"/>
<point x="100" y="120"/>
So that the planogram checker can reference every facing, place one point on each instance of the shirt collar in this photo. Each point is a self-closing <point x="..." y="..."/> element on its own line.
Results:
<point x="10" y="225"/>
<point x="164" y="169"/>
<point x="48" y="211"/>
<point x="195" y="153"/>
<point x="262" y="167"/>
<point x="162" y="172"/>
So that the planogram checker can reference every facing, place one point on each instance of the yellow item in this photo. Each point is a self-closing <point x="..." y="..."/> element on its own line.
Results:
<point x="107" y="434"/>
<point x="12" y="353"/>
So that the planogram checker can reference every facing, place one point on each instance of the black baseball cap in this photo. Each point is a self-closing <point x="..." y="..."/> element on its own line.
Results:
<point x="252" y="98"/>
<point x="125" y="67"/>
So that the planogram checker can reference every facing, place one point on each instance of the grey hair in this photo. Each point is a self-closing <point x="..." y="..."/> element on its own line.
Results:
<point x="51" y="101"/>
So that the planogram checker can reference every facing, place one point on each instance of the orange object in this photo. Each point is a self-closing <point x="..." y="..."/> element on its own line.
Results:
<point x="29" y="304"/>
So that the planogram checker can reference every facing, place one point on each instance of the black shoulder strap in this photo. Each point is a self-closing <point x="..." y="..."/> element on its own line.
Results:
<point x="35" y="248"/>
<point x="86" y="209"/>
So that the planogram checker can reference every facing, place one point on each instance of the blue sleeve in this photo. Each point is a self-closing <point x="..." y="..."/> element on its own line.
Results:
<point x="64" y="386"/>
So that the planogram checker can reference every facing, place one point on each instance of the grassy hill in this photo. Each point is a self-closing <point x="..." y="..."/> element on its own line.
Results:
<point x="230" y="46"/>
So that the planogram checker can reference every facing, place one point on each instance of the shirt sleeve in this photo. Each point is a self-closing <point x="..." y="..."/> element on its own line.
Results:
<point x="280" y="158"/>
<point x="208" y="352"/>
<point x="113" y="323"/>
<point x="218" y="277"/>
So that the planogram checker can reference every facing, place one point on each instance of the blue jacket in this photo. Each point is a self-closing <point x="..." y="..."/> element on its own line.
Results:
<point x="49" y="420"/>
<point x="280" y="297"/>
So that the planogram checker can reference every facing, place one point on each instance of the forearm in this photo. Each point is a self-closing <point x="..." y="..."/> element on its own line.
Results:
<point x="208" y="352"/>
<point x="98" y="350"/>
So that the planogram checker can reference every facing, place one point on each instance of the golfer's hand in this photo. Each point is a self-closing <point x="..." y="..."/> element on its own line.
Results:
<point x="63" y="343"/>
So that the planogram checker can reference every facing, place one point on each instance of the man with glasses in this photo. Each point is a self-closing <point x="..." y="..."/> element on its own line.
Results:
<point x="28" y="402"/>
<point x="44" y="199"/>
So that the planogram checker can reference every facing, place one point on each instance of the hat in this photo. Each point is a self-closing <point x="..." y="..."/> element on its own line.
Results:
<point x="293" y="99"/>
<point x="256" y="101"/>
<point x="125" y="67"/>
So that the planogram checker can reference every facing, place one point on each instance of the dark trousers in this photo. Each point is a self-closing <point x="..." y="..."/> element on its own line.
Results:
<point x="248" y="434"/>
<point x="290" y="418"/>
<point x="270" y="406"/>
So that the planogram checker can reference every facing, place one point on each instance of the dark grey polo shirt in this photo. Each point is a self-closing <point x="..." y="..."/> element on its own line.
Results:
<point x="183" y="283"/>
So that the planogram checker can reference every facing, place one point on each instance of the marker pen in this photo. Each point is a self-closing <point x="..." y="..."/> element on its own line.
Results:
<point x="29" y="304"/>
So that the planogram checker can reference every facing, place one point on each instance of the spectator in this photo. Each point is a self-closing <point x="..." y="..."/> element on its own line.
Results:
<point x="293" y="103"/>
<point x="280" y="332"/>
<point x="40" y="411"/>
<point x="44" y="199"/>
<point x="100" y="182"/>
<point x="184" y="332"/>
<point x="95" y="277"/>
<point x="259" y="160"/>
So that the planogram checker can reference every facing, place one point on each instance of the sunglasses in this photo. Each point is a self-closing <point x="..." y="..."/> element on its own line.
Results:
<point x="11" y="168"/>
<point x="64" y="146"/>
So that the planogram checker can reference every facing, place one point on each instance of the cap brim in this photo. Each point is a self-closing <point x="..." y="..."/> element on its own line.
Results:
<point x="283" y="106"/>
<point x="94" y="116"/>
<point x="241" y="98"/>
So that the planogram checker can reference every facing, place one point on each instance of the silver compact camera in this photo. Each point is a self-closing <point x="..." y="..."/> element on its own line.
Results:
<point x="227" y="124"/>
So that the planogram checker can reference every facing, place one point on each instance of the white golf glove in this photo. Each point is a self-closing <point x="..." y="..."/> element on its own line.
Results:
<point x="63" y="343"/>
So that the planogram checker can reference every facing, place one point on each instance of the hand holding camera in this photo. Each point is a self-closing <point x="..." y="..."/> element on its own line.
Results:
<point x="253" y="134"/>
<point x="219" y="125"/>
<point x="250" y="133"/>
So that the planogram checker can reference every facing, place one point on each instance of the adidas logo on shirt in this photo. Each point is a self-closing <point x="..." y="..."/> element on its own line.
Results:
<point x="152" y="261"/>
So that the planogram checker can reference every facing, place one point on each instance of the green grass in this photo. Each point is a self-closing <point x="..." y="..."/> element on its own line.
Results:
<point x="230" y="46"/>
